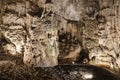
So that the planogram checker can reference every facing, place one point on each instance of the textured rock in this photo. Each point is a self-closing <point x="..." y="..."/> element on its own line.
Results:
<point x="30" y="27"/>
<point x="28" y="34"/>
<point x="75" y="9"/>
<point x="69" y="47"/>
<point x="99" y="32"/>
<point x="103" y="42"/>
<point x="41" y="49"/>
<point x="71" y="10"/>
<point x="60" y="72"/>
<point x="12" y="27"/>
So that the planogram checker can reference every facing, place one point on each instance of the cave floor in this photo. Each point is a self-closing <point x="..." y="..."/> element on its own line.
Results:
<point x="9" y="70"/>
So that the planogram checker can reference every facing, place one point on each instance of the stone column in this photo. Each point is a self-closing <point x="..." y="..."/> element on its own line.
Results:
<point x="41" y="49"/>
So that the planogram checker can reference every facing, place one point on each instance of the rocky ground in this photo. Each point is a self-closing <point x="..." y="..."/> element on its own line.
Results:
<point x="90" y="35"/>
<point x="12" y="68"/>
<point x="61" y="72"/>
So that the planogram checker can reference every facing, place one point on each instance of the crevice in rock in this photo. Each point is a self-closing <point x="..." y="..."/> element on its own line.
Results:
<point x="48" y="1"/>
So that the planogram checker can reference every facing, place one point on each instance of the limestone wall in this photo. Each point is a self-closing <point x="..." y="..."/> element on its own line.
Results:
<point x="31" y="28"/>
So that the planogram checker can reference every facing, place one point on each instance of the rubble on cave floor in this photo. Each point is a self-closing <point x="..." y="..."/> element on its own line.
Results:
<point x="12" y="68"/>
<point x="10" y="71"/>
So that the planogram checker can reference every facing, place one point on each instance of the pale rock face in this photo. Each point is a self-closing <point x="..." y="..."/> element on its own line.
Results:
<point x="10" y="49"/>
<point x="13" y="31"/>
<point x="106" y="51"/>
<point x="28" y="35"/>
<point x="42" y="47"/>
<point x="70" y="10"/>
<point x="100" y="32"/>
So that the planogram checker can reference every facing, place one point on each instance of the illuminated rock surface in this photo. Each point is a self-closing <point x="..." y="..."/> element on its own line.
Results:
<point x="31" y="29"/>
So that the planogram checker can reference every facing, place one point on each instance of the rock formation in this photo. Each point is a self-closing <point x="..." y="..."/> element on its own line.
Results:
<point x="32" y="28"/>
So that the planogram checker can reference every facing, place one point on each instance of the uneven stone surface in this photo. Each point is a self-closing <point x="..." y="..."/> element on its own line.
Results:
<point x="41" y="49"/>
<point x="42" y="46"/>
<point x="70" y="10"/>
<point x="98" y="31"/>
<point x="102" y="37"/>
<point x="27" y="33"/>
<point x="12" y="27"/>
<point x="60" y="72"/>
<point x="30" y="28"/>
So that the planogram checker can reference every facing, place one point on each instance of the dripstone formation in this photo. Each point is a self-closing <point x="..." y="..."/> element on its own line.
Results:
<point x="43" y="31"/>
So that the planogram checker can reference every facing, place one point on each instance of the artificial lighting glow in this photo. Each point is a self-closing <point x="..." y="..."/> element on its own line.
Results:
<point x="88" y="76"/>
